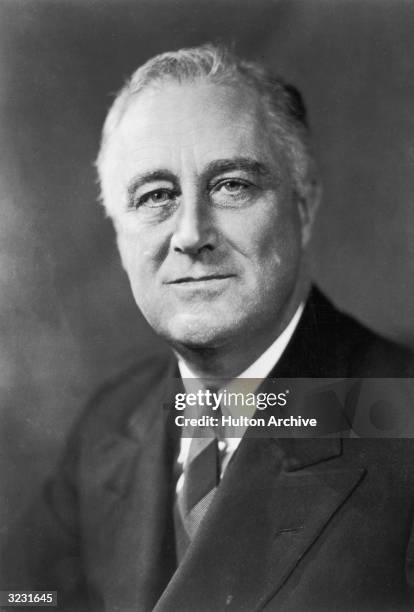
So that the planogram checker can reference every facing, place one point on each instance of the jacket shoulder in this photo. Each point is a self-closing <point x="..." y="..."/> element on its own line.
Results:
<point x="336" y="344"/>
<point x="114" y="402"/>
<point x="371" y="354"/>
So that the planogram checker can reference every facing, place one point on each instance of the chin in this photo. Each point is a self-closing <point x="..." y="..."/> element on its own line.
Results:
<point x="198" y="332"/>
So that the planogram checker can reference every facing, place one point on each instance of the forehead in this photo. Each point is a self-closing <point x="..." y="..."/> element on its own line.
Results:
<point x="192" y="123"/>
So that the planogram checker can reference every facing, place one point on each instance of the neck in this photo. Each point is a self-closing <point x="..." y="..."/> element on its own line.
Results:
<point x="228" y="361"/>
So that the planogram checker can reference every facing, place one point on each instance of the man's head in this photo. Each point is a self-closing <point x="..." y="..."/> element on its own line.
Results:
<point x="206" y="171"/>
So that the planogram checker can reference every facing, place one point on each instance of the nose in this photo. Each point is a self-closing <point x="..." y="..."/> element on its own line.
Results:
<point x="195" y="229"/>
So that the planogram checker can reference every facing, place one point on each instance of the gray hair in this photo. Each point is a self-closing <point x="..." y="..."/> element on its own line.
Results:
<point x="282" y="102"/>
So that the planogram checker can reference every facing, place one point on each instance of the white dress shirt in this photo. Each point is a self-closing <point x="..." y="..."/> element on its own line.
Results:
<point x="255" y="374"/>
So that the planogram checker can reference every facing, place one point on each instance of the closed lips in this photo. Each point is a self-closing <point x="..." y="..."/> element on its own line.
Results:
<point x="192" y="279"/>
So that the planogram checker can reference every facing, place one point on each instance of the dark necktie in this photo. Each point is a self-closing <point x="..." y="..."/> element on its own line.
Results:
<point x="201" y="478"/>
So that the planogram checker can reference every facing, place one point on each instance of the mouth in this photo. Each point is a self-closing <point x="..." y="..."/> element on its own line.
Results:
<point x="200" y="279"/>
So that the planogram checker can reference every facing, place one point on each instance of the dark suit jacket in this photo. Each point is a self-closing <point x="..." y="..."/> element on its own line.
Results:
<point x="296" y="524"/>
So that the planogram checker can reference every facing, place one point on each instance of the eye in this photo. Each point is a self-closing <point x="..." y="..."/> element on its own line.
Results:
<point x="156" y="198"/>
<point x="232" y="192"/>
<point x="233" y="186"/>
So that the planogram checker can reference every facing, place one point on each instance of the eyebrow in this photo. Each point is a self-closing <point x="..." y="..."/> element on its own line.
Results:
<point x="248" y="164"/>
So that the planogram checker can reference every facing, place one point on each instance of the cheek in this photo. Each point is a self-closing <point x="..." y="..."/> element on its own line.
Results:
<point x="132" y="259"/>
<point x="126" y="248"/>
<point x="140" y="246"/>
<point x="136" y="253"/>
<point x="275" y="244"/>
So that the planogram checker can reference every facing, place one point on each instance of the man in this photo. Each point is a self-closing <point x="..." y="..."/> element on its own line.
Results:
<point x="207" y="172"/>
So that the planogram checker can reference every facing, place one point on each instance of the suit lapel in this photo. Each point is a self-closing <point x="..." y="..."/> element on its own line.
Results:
<point x="131" y="539"/>
<point x="272" y="504"/>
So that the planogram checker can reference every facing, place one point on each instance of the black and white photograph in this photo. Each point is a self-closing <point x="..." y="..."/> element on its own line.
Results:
<point x="207" y="305"/>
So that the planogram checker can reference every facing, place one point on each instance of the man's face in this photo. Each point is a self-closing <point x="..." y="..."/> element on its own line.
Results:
<point x="206" y="216"/>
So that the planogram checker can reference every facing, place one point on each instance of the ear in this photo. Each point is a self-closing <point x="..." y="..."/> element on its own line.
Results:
<point x="308" y="204"/>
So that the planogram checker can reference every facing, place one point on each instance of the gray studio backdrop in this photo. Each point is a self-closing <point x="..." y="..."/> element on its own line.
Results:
<point x="67" y="318"/>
